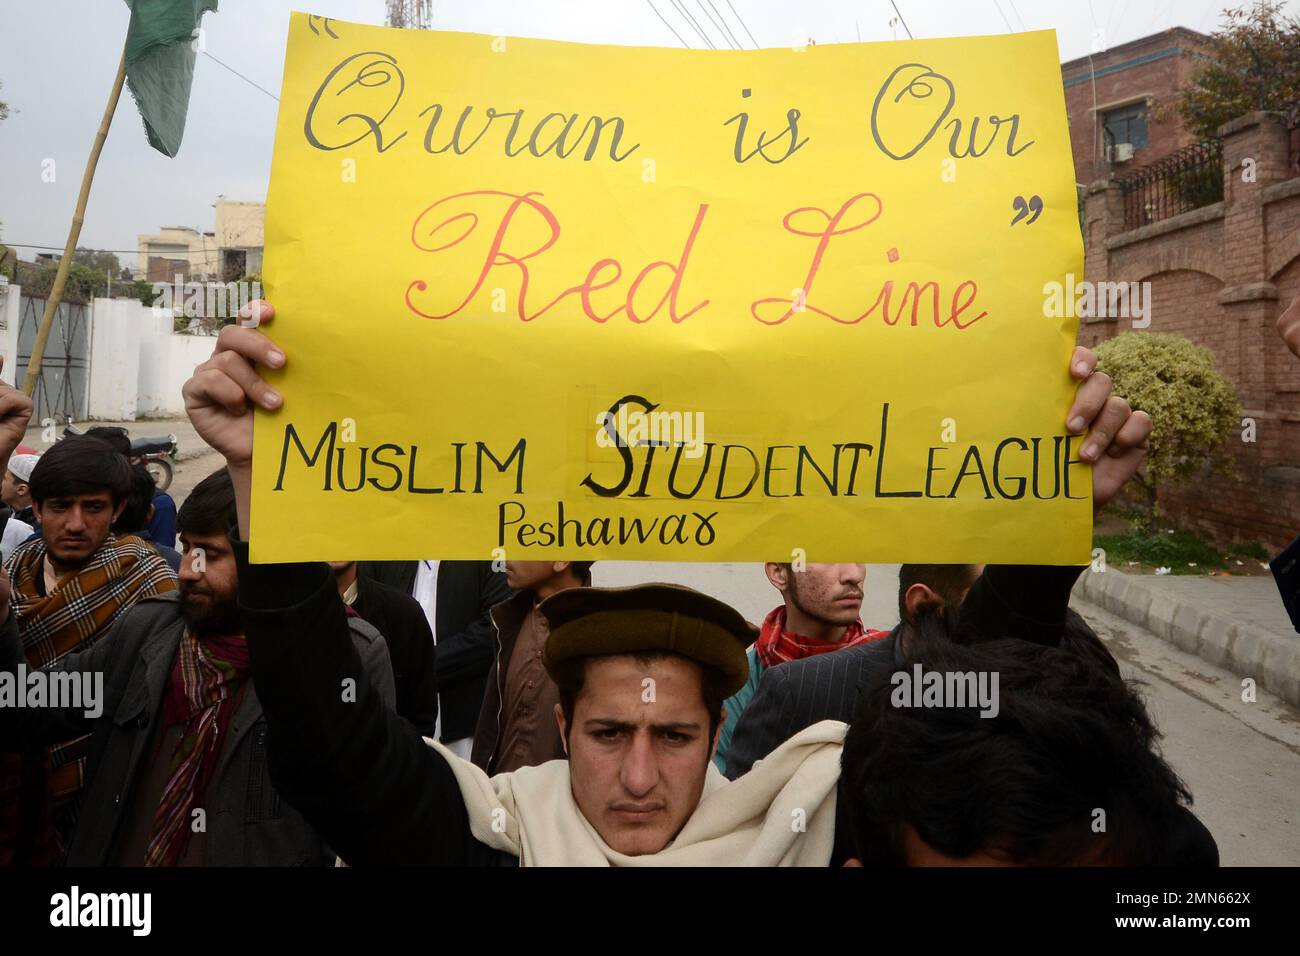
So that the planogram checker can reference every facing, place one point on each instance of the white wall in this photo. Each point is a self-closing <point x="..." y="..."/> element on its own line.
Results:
<point x="183" y="352"/>
<point x="151" y="385"/>
<point x="116" y="329"/>
<point x="137" y="363"/>
<point x="10" y="303"/>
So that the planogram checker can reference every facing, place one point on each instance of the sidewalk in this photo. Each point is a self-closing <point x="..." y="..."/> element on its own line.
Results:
<point x="1237" y="623"/>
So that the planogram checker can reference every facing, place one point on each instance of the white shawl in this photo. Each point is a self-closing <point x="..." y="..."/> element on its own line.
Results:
<point x="781" y="813"/>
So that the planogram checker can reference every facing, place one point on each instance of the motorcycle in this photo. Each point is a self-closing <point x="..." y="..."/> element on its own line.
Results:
<point x="156" y="453"/>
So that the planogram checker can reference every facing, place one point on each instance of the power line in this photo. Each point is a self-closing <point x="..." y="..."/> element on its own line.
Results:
<point x="30" y="245"/>
<point x="122" y="252"/>
<point x="680" y="7"/>
<point x="996" y="6"/>
<point x="1017" y="13"/>
<point x="742" y="23"/>
<point x="1117" y="10"/>
<point x="1167" y="9"/>
<point x="731" y="32"/>
<point x="240" y="75"/>
<point x="667" y="24"/>
<point x="719" y="23"/>
<point x="901" y="20"/>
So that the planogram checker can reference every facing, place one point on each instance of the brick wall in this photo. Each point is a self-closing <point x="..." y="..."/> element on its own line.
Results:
<point x="1219" y="276"/>
<point x="1151" y="69"/>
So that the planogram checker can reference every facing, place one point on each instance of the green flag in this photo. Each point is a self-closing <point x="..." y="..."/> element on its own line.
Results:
<point x="160" y="55"/>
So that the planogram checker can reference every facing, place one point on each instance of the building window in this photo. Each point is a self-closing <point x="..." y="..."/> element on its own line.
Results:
<point x="234" y="264"/>
<point x="1128" y="124"/>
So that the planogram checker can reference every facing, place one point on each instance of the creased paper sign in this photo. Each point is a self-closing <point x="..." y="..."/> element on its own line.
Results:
<point x="553" y="300"/>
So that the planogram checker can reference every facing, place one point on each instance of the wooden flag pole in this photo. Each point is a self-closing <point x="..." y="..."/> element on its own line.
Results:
<point x="61" y="277"/>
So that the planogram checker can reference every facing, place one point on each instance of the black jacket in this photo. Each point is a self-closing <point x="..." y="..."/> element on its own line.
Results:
<point x="466" y="639"/>
<point x="798" y="694"/>
<point x="359" y="773"/>
<point x="1286" y="571"/>
<point x="248" y="823"/>
<point x="400" y="619"/>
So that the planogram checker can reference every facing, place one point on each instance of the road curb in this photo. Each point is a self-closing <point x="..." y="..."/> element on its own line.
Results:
<point x="1273" y="660"/>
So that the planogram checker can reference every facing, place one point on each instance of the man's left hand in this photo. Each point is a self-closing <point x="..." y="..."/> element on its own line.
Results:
<point x="1117" y="438"/>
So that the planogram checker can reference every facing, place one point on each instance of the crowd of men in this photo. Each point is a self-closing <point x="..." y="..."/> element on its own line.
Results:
<point x="454" y="712"/>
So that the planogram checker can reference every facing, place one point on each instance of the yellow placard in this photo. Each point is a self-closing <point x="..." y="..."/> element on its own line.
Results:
<point x="553" y="300"/>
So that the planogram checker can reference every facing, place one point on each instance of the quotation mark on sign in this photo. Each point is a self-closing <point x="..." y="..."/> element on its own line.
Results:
<point x="312" y="19"/>
<point x="1035" y="204"/>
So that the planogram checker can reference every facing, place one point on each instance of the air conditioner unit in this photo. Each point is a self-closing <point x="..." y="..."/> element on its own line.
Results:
<point x="1119" y="153"/>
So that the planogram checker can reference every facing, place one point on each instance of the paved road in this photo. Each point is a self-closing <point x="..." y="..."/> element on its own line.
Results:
<point x="1240" y="760"/>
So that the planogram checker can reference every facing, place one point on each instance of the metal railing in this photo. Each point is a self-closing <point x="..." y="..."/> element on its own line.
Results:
<point x="1292" y="116"/>
<point x="1182" y="181"/>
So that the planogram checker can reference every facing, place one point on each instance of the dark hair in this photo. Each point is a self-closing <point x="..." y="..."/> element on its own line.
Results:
<point x="210" y="507"/>
<point x="581" y="570"/>
<point x="1069" y="738"/>
<point x="571" y="675"/>
<point x="115" y="435"/>
<point x="136" y="513"/>
<point x="79" y="465"/>
<point x="946" y="580"/>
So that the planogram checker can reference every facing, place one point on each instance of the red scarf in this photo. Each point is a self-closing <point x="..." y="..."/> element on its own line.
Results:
<point x="776" y="645"/>
<point x="199" y="695"/>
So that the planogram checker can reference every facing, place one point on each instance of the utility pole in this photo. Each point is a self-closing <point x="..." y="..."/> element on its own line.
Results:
<point x="410" y="14"/>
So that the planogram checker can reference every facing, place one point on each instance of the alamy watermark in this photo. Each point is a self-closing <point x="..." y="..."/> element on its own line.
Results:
<point x="127" y="910"/>
<point x="960" y="689"/>
<point x="78" y="690"/>
<point x="1098" y="300"/>
<point x="632" y="428"/>
<point x="203" y="299"/>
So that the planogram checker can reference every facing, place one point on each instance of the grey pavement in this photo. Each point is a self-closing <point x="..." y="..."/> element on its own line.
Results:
<point x="1237" y="623"/>
<point x="1251" y="600"/>
<point x="1240" y="759"/>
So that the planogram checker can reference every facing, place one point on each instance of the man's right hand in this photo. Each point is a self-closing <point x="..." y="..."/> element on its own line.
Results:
<point x="220" y="395"/>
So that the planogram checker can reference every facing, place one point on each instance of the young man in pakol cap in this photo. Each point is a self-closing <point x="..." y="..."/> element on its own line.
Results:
<point x="639" y="669"/>
<point x="642" y="674"/>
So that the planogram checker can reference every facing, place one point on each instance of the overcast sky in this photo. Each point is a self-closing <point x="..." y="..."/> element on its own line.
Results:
<point x="58" y="57"/>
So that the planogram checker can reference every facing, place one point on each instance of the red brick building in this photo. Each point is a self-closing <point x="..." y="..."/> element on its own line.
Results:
<point x="1219" y="275"/>
<point x="1111" y="97"/>
<point x="1215" y="231"/>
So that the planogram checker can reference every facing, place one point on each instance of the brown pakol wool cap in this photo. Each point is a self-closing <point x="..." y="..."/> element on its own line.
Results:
<point x="588" y="622"/>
